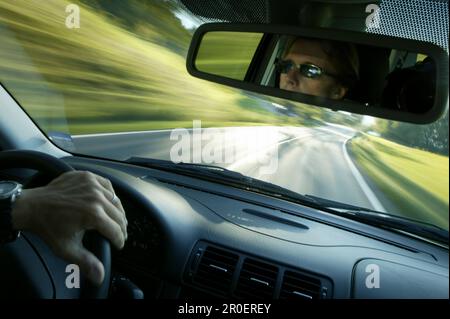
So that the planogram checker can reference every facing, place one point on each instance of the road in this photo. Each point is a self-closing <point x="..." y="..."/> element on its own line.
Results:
<point x="311" y="161"/>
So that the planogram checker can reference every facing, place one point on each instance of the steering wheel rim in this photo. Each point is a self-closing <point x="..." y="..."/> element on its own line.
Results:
<point x="52" y="167"/>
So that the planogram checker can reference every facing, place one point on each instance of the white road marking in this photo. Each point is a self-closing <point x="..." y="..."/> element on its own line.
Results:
<point x="119" y="133"/>
<point x="162" y="131"/>
<point x="362" y="183"/>
<point x="251" y="157"/>
<point x="371" y="197"/>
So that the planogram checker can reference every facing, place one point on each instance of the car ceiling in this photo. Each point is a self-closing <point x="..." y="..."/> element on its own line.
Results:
<point x="425" y="20"/>
<point x="318" y="13"/>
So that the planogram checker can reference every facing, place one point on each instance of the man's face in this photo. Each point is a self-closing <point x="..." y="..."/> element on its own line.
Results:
<point x="304" y="51"/>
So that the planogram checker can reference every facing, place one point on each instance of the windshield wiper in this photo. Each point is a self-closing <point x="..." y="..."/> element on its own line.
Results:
<point x="222" y="175"/>
<point x="225" y="176"/>
<point x="386" y="220"/>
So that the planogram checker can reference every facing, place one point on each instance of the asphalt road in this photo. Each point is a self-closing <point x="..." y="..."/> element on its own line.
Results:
<point x="311" y="161"/>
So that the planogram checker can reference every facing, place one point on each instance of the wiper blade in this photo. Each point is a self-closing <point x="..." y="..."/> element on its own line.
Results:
<point x="417" y="228"/>
<point x="188" y="167"/>
<point x="220" y="174"/>
<point x="386" y="220"/>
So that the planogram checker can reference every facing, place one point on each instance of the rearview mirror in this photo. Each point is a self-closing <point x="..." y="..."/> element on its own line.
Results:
<point x="381" y="76"/>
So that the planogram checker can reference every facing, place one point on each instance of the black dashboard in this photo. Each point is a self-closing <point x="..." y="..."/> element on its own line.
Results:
<point x="190" y="238"/>
<point x="193" y="238"/>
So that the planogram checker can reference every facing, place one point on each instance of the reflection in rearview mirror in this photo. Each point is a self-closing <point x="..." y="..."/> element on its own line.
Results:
<point x="225" y="56"/>
<point x="372" y="76"/>
<point x="318" y="67"/>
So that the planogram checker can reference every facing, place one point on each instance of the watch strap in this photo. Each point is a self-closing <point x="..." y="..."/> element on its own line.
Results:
<point x="7" y="231"/>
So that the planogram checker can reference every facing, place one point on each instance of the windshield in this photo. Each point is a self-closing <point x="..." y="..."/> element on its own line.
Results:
<point x="109" y="79"/>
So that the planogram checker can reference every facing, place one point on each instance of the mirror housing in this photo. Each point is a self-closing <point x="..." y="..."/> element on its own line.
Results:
<point x="407" y="89"/>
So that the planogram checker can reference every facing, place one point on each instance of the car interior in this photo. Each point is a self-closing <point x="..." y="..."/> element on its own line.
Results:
<point x="194" y="235"/>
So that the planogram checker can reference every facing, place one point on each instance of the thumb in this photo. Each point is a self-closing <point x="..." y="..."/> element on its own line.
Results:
<point x="89" y="264"/>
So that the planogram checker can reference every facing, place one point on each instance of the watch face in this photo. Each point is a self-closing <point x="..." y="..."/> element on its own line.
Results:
<point x="7" y="187"/>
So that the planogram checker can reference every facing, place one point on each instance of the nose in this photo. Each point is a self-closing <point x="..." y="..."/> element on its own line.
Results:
<point x="292" y="78"/>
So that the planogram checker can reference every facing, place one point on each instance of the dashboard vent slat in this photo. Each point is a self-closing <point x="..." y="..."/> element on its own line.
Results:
<point x="299" y="286"/>
<point x="215" y="269"/>
<point x="226" y="272"/>
<point x="256" y="280"/>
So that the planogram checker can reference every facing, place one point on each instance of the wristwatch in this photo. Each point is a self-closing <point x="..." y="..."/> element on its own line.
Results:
<point x="9" y="193"/>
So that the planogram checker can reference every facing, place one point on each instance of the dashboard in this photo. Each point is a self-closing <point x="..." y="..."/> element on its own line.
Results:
<point x="191" y="238"/>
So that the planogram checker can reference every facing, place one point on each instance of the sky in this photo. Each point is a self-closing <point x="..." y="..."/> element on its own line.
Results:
<point x="187" y="20"/>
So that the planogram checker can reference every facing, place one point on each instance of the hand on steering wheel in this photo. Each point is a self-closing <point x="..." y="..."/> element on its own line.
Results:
<point x="63" y="210"/>
<point x="60" y="213"/>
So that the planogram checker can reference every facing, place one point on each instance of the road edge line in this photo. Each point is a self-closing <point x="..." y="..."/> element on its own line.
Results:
<point x="152" y="131"/>
<point x="374" y="201"/>
<point x="119" y="133"/>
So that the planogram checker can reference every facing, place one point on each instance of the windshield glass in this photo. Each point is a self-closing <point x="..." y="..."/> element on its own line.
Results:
<point x="109" y="79"/>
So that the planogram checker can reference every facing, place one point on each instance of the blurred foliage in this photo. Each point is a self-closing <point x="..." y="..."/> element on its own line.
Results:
<point x="227" y="54"/>
<point x="432" y="137"/>
<point x="124" y="65"/>
<point x="152" y="21"/>
<point x="415" y="181"/>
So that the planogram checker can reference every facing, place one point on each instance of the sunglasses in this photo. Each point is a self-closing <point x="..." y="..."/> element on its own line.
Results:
<point x="308" y="70"/>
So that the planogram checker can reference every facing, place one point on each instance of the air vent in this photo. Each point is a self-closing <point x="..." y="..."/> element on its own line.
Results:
<point x="299" y="286"/>
<point x="256" y="280"/>
<point x="215" y="270"/>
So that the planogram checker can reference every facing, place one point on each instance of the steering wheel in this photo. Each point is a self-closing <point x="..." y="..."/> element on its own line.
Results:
<point x="19" y="254"/>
